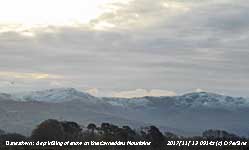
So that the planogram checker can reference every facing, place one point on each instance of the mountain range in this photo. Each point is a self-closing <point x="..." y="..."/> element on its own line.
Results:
<point x="188" y="114"/>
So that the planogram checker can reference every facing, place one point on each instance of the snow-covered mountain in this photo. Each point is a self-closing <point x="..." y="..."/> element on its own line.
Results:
<point x="127" y="102"/>
<point x="197" y="99"/>
<point x="55" y="95"/>
<point x="187" y="114"/>
<point x="211" y="100"/>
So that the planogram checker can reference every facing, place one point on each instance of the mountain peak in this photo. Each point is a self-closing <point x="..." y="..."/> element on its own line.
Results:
<point x="202" y="94"/>
<point x="209" y="99"/>
<point x="62" y="90"/>
<point x="56" y="95"/>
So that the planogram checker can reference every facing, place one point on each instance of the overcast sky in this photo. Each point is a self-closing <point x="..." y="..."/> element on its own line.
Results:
<point x="127" y="48"/>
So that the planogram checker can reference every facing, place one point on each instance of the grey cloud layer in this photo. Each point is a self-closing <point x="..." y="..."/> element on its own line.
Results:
<point x="172" y="45"/>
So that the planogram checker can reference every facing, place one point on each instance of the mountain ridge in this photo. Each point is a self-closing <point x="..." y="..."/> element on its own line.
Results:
<point x="187" y="114"/>
<point x="68" y="94"/>
<point x="53" y="95"/>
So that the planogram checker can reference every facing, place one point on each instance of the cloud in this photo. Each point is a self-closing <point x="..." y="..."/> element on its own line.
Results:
<point x="129" y="94"/>
<point x="139" y="13"/>
<point x="164" y="44"/>
<point x="55" y="84"/>
<point x="35" y="76"/>
<point x="142" y="93"/>
<point x="93" y="91"/>
<point x="199" y="90"/>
